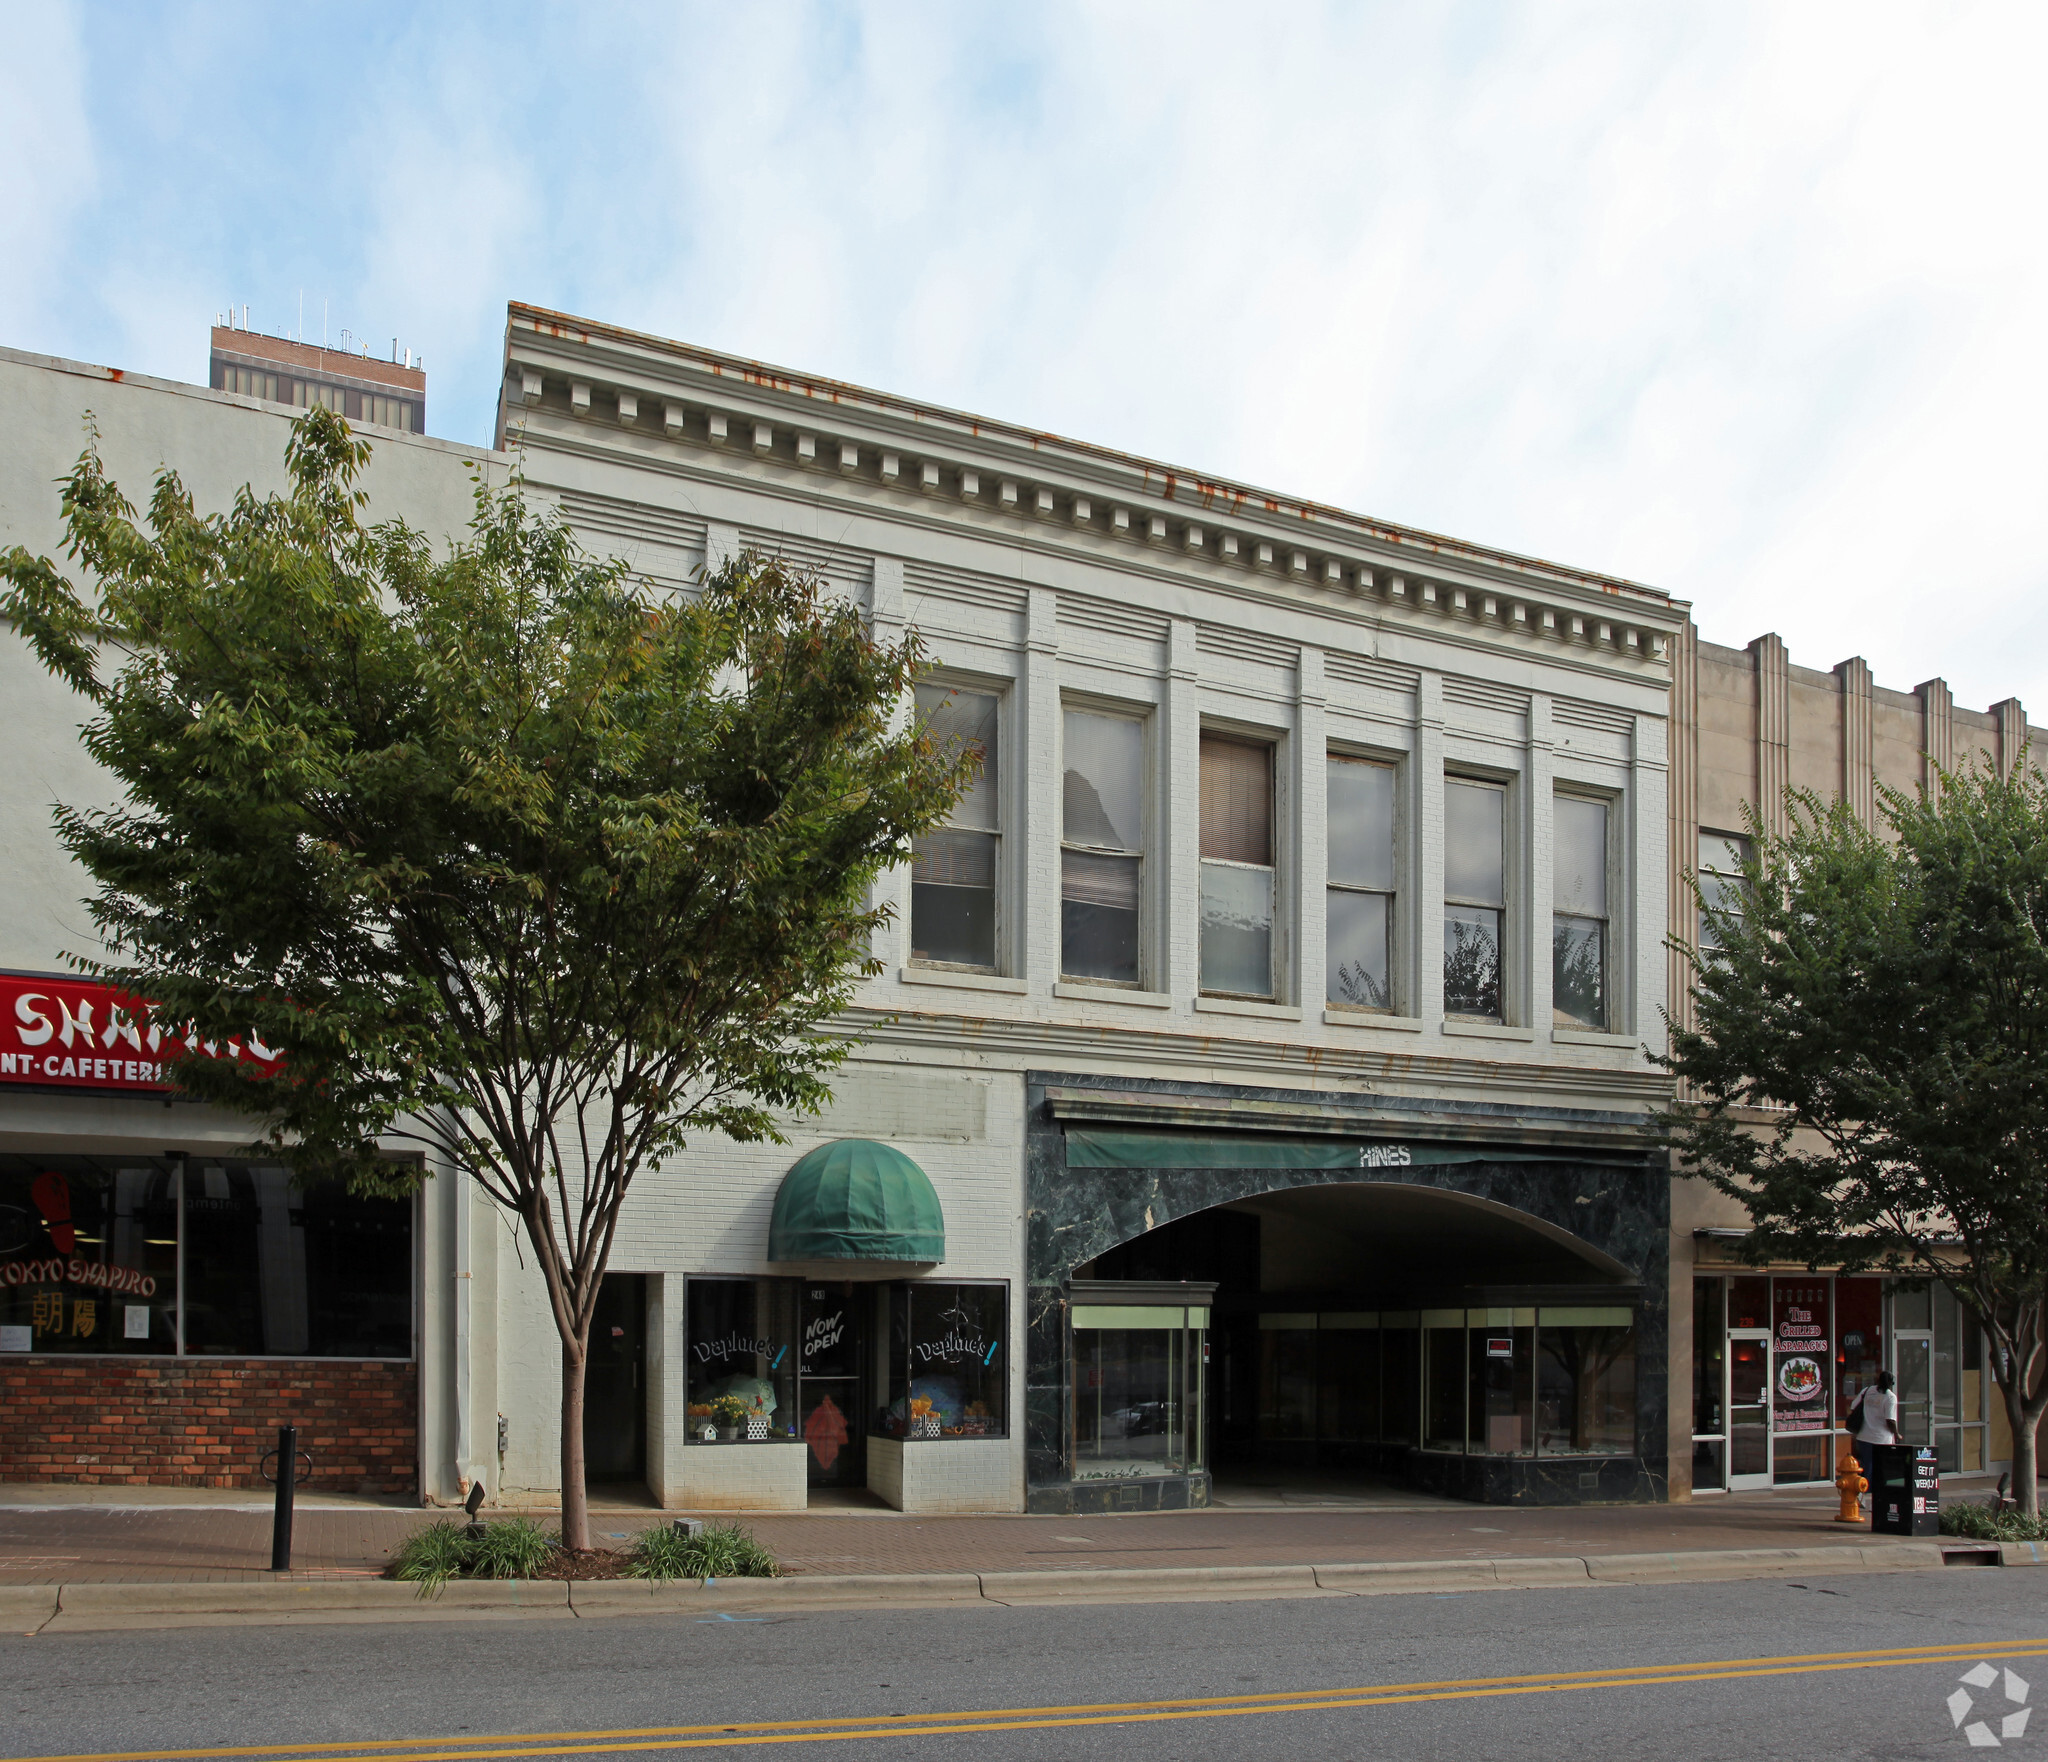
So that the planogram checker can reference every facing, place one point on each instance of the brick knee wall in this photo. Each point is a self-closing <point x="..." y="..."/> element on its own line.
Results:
<point x="204" y="1422"/>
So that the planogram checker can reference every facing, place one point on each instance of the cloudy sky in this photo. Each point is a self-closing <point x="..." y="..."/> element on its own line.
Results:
<point x="1746" y="302"/>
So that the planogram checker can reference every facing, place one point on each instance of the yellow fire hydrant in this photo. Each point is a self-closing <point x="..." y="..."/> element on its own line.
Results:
<point x="1849" y="1482"/>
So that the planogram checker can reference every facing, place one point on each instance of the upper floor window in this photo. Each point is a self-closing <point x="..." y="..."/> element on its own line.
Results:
<point x="389" y="412"/>
<point x="248" y="382"/>
<point x="1475" y="897"/>
<point x="1102" y="846"/>
<point x="1360" y="940"/>
<point x="329" y="397"/>
<point x="1578" y="906"/>
<point x="1237" y="867"/>
<point x="1722" y="855"/>
<point x="953" y="884"/>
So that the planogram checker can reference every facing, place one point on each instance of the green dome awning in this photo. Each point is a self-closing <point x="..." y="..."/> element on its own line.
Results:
<point x="856" y="1200"/>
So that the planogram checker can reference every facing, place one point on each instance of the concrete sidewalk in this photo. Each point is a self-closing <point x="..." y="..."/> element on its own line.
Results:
<point x="197" y="1536"/>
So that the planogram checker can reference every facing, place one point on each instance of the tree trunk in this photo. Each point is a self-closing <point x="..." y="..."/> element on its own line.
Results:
<point x="2025" y="1485"/>
<point x="2023" y="1419"/>
<point x="575" y="1496"/>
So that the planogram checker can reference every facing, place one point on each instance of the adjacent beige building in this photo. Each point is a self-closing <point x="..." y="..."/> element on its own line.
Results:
<point x="1747" y="725"/>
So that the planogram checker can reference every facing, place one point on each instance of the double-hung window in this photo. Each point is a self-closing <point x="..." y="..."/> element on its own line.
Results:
<point x="1578" y="908"/>
<point x="1722" y="855"/>
<point x="1237" y="867"/>
<point x="953" y="884"/>
<point x="1475" y="897"/>
<point x="1102" y="846"/>
<point x="1360" y="926"/>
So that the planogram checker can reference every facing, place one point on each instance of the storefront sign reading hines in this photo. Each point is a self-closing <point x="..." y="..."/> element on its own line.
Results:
<point x="79" y="1034"/>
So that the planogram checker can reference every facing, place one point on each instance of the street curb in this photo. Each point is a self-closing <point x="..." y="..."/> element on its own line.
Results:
<point x="1142" y="1584"/>
<point x="88" y="1607"/>
<point x="625" y="1596"/>
<point x="24" y="1608"/>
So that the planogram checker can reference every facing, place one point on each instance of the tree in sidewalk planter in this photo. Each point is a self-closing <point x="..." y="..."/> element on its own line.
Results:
<point x="521" y="862"/>
<point x="1870" y="1061"/>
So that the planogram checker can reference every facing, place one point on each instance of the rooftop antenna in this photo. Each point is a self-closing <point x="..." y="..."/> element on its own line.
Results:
<point x="301" y="337"/>
<point x="323" y="327"/>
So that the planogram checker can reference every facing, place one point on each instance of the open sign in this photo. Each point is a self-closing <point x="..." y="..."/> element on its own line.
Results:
<point x="1500" y="1346"/>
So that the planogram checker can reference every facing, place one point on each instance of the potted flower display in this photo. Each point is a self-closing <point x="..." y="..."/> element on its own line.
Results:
<point x="730" y="1414"/>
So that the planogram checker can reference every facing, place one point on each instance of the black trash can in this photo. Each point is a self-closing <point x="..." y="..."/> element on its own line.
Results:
<point x="1905" y="1491"/>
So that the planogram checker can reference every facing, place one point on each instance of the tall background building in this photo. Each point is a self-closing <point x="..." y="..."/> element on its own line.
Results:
<point x="390" y="394"/>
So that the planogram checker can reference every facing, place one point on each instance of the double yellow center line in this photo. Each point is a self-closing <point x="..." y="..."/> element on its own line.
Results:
<point x="810" y="1731"/>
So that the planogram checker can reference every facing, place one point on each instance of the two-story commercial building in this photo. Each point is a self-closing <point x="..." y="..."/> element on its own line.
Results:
<point x="1265" y="1037"/>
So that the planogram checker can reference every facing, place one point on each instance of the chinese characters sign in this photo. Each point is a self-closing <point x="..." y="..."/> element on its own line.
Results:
<point x="79" y="1034"/>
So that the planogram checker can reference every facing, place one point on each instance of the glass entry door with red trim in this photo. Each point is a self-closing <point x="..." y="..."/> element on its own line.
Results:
<point x="1749" y="1408"/>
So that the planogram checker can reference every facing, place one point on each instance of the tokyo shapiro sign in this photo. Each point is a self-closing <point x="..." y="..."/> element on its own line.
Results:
<point x="80" y="1034"/>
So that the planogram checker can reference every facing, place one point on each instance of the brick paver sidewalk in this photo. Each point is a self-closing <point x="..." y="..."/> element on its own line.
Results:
<point x="224" y="1537"/>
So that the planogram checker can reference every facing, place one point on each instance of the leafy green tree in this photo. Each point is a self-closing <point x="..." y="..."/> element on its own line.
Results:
<point x="1870" y="1060"/>
<point x="521" y="862"/>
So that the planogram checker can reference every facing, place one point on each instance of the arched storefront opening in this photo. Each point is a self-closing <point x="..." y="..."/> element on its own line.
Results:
<point x="1352" y="1338"/>
<point x="1461" y="1298"/>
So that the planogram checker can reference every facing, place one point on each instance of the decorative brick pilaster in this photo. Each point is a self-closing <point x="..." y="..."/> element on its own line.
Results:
<point x="1859" y="758"/>
<point x="1937" y="734"/>
<point x="1773" y="731"/>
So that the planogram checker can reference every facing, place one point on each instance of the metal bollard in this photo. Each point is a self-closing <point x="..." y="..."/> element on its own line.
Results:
<point x="287" y="1475"/>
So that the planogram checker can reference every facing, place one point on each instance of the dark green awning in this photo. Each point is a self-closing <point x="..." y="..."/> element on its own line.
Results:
<point x="856" y="1200"/>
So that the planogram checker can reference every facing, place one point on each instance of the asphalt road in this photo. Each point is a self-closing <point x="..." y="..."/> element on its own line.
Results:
<point x="1711" y="1671"/>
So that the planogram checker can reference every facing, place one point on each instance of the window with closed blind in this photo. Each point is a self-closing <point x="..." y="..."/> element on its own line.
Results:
<point x="1102" y="846"/>
<point x="1237" y="867"/>
<point x="953" y="892"/>
<point x="249" y="382"/>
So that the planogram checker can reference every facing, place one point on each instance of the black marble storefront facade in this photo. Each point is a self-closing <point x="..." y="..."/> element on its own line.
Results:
<point x="1616" y="1201"/>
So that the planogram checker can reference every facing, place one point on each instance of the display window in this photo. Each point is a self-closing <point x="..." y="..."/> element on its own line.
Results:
<point x="1287" y="1376"/>
<point x="1500" y="1350"/>
<point x="1443" y="1379"/>
<point x="155" y="1256"/>
<point x="1138" y="1390"/>
<point x="1709" y="1382"/>
<point x="1802" y="1420"/>
<point x="1348" y="1378"/>
<point x="1586" y="1381"/>
<point x="741" y="1349"/>
<point x="949" y="1373"/>
<point x="1494" y="1381"/>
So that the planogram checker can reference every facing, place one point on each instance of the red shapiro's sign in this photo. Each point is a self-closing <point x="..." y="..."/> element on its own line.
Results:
<point x="80" y="1034"/>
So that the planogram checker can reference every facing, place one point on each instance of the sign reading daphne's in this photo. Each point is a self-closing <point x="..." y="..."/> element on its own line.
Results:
<point x="80" y="1034"/>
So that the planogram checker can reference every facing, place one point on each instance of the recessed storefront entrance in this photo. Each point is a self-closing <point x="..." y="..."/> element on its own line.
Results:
<point x="832" y="1402"/>
<point x="615" y="1383"/>
<point x="1358" y="1301"/>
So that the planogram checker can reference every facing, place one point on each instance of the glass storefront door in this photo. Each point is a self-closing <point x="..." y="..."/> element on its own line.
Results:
<point x="831" y="1402"/>
<point x="1749" y="1408"/>
<point x="1914" y="1367"/>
